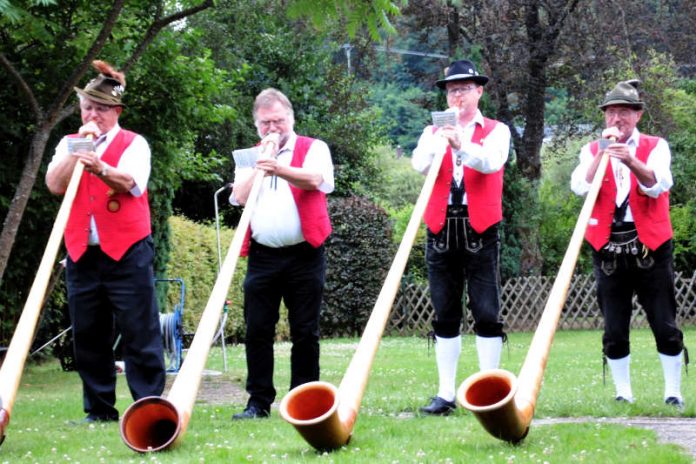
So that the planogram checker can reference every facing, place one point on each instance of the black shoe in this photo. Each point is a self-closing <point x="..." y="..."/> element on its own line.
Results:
<point x="621" y="399"/>
<point x="676" y="402"/>
<point x="95" y="418"/>
<point x="99" y="418"/>
<point x="252" y="412"/>
<point x="438" y="407"/>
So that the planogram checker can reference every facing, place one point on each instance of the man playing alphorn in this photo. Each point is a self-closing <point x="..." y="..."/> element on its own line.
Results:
<point x="631" y="237"/>
<point x="462" y="218"/>
<point x="109" y="271"/>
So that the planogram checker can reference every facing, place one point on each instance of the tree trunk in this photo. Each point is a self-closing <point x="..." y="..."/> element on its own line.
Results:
<point x="22" y="194"/>
<point x="58" y="112"/>
<point x="453" y="28"/>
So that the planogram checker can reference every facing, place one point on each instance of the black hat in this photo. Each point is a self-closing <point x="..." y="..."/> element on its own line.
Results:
<point x="107" y="88"/>
<point x="625" y="93"/>
<point x="462" y="70"/>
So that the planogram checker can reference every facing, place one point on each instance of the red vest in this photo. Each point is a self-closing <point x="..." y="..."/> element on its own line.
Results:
<point x="484" y="192"/>
<point x="311" y="204"/>
<point x="121" y="218"/>
<point x="651" y="215"/>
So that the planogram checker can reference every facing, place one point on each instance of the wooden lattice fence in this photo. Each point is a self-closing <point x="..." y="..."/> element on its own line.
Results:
<point x="523" y="300"/>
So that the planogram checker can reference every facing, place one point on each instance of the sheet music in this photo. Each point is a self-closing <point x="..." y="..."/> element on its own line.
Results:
<point x="604" y="143"/>
<point x="80" y="144"/>
<point x="444" y="118"/>
<point x="246" y="157"/>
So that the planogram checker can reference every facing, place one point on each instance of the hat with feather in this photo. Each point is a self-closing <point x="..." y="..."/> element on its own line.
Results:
<point x="625" y="93"/>
<point x="107" y="88"/>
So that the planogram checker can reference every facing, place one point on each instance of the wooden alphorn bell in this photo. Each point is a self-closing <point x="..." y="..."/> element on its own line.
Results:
<point x="323" y="414"/>
<point x="155" y="423"/>
<point x="502" y="403"/>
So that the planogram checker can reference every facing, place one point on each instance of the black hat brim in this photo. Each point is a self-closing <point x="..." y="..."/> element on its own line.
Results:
<point x="480" y="79"/>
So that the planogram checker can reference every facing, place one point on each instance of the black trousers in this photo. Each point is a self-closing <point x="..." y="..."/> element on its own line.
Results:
<point x="294" y="274"/>
<point x="651" y="278"/>
<point x="459" y="256"/>
<point x="101" y="291"/>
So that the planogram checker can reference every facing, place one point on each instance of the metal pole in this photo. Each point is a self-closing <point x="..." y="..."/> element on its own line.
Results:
<point x="51" y="341"/>
<point x="221" y="331"/>
<point x="347" y="48"/>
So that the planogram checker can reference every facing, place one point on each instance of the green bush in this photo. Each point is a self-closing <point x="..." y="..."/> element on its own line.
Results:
<point x="559" y="207"/>
<point x="399" y="184"/>
<point x="416" y="267"/>
<point x="359" y="253"/>
<point x="194" y="258"/>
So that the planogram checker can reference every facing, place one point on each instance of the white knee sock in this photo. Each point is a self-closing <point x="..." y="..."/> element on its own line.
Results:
<point x="671" y="367"/>
<point x="620" y="372"/>
<point x="489" y="349"/>
<point x="447" y="352"/>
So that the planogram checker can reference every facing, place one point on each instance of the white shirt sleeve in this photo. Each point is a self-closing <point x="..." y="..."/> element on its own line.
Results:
<point x="136" y="162"/>
<point x="659" y="161"/>
<point x="492" y="155"/>
<point x="429" y="144"/>
<point x="60" y="153"/>
<point x="240" y="176"/>
<point x="318" y="159"/>
<point x="578" y="184"/>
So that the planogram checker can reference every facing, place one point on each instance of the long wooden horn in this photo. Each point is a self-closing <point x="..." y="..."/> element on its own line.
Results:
<point x="503" y="404"/>
<point x="323" y="414"/>
<point x="13" y="365"/>
<point x="155" y="423"/>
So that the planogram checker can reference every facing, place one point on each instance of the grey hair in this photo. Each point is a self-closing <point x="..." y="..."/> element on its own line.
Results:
<point x="270" y="96"/>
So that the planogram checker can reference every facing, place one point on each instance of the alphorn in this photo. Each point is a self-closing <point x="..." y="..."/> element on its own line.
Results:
<point x="503" y="404"/>
<point x="16" y="355"/>
<point x="154" y="423"/>
<point x="323" y="414"/>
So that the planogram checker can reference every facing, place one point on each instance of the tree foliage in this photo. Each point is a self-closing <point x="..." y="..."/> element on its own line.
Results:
<point x="354" y="14"/>
<point x="169" y="99"/>
<point x="176" y="97"/>
<point x="540" y="53"/>
<point x="261" y="48"/>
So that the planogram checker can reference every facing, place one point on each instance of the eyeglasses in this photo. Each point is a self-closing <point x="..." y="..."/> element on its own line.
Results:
<point x="275" y="122"/>
<point x="460" y="90"/>
<point x="620" y="112"/>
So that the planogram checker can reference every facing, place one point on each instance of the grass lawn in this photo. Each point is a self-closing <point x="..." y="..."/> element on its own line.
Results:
<point x="387" y="430"/>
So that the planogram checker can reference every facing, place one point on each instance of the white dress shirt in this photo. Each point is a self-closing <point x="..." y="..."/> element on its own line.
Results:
<point x="659" y="161"/>
<point x="487" y="158"/>
<point x="276" y="221"/>
<point x="135" y="161"/>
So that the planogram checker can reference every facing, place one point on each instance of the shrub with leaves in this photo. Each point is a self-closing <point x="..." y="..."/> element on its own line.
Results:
<point x="193" y="258"/>
<point x="359" y="253"/>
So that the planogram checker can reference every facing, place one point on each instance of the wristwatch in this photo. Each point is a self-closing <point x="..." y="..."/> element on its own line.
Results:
<point x="104" y="171"/>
